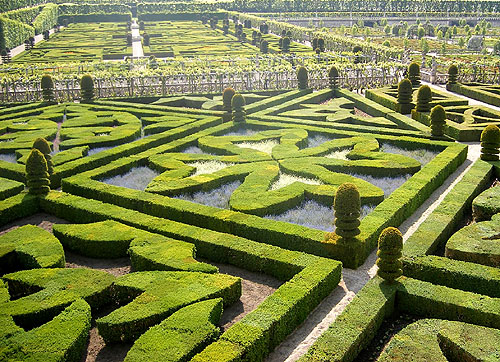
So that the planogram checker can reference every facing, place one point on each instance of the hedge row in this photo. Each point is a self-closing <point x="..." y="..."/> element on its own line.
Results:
<point x="181" y="15"/>
<point x="14" y="33"/>
<point x="480" y="92"/>
<point x="310" y="278"/>
<point x="354" y="329"/>
<point x="17" y="207"/>
<point x="9" y="188"/>
<point x="98" y="17"/>
<point x="433" y="233"/>
<point x="6" y="5"/>
<point x="46" y="19"/>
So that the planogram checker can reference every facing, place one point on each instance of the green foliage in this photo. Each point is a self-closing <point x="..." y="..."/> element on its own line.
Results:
<point x="9" y="188"/>
<point x="452" y="74"/>
<point x="424" y="98"/>
<point x="490" y="143"/>
<point x="13" y="33"/>
<point x="43" y="146"/>
<point x="486" y="204"/>
<point x="37" y="176"/>
<point x="414" y="74"/>
<point x="33" y="248"/>
<point x="438" y="121"/>
<point x="347" y="206"/>
<point x="405" y="92"/>
<point x="47" y="85"/>
<point x="227" y="96"/>
<point x="264" y="46"/>
<point x="333" y="75"/>
<point x="238" y="104"/>
<point x="390" y="245"/>
<point x="302" y="78"/>
<point x="87" y="88"/>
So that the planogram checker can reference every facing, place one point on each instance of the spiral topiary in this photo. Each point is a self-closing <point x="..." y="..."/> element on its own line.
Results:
<point x="87" y="88"/>
<point x="47" y="85"/>
<point x="390" y="245"/>
<point x="452" y="74"/>
<point x="490" y="143"/>
<point x="302" y="77"/>
<point x="414" y="74"/>
<point x="333" y="76"/>
<point x="237" y="104"/>
<point x="438" y="121"/>
<point x="37" y="177"/>
<point x="43" y="146"/>
<point x="424" y="97"/>
<point x="405" y="92"/>
<point x="347" y="206"/>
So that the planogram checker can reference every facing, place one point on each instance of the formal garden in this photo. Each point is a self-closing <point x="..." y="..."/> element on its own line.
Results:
<point x="249" y="181"/>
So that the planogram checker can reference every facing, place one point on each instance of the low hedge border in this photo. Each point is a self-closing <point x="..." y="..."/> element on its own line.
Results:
<point x="357" y="325"/>
<point x="9" y="188"/>
<point x="308" y="278"/>
<point x="17" y="207"/>
<point x="433" y="233"/>
<point x="476" y="91"/>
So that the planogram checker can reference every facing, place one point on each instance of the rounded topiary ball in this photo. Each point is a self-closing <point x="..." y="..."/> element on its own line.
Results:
<point x="47" y="82"/>
<point x="347" y="206"/>
<point x="87" y="88"/>
<point x="43" y="146"/>
<point x="424" y="97"/>
<point x="414" y="73"/>
<point x="37" y="176"/>
<point x="438" y="121"/>
<point x="490" y="143"/>
<point x="452" y="74"/>
<point x="390" y="246"/>
<point x="405" y="91"/>
<point x="302" y="78"/>
<point x="333" y="75"/>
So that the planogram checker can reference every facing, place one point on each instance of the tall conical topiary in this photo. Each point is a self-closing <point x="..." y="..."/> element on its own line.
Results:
<point x="438" y="121"/>
<point x="43" y="146"/>
<point x="405" y="96"/>
<point x="390" y="245"/>
<point x="414" y="74"/>
<point x="37" y="177"/>
<point x="87" y="88"/>
<point x="347" y="206"/>
<point x="424" y="98"/>
<point x="227" y="96"/>
<point x="452" y="74"/>
<point x="333" y="76"/>
<point x="302" y="78"/>
<point x="47" y="85"/>
<point x="490" y="143"/>
<point x="237" y="104"/>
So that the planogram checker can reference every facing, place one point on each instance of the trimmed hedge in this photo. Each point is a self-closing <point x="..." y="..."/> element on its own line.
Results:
<point x="14" y="33"/>
<point x="17" y="207"/>
<point x="486" y="204"/>
<point x="9" y="188"/>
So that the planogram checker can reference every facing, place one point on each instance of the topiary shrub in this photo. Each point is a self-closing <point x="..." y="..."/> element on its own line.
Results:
<point x="333" y="76"/>
<point x="438" y="121"/>
<point x="390" y="245"/>
<point x="302" y="78"/>
<point x="87" y="88"/>
<point x="347" y="206"/>
<point x="452" y="74"/>
<point x="490" y="143"/>
<point x="227" y="97"/>
<point x="43" y="146"/>
<point x="424" y="97"/>
<point x="237" y="104"/>
<point x="414" y="74"/>
<point x="37" y="177"/>
<point x="285" y="46"/>
<point x="146" y="39"/>
<point x="47" y="85"/>
<point x="264" y="46"/>
<point x="405" y="92"/>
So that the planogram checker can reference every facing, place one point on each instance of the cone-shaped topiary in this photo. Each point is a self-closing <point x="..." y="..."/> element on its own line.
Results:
<point x="227" y="96"/>
<point x="347" y="206"/>
<point x="414" y="74"/>
<point x="405" y="92"/>
<point x="424" y="98"/>
<point x="302" y="77"/>
<point x="43" y="146"/>
<point x="390" y="245"/>
<point x="438" y="121"/>
<point x="87" y="88"/>
<point x="452" y="74"/>
<point x="237" y="104"/>
<point x="47" y="85"/>
<point x="264" y="46"/>
<point x="490" y="143"/>
<point x="37" y="177"/>
<point x="333" y="76"/>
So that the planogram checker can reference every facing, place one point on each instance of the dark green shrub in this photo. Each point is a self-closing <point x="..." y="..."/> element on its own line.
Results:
<point x="321" y="44"/>
<point x="347" y="206"/>
<point x="390" y="246"/>
<point x="302" y="78"/>
<point x="333" y="76"/>
<point x="490" y="143"/>
<point x="87" y="88"/>
<point x="37" y="176"/>
<point x="43" y="146"/>
<point x="424" y="97"/>
<point x="405" y="92"/>
<point x="47" y="85"/>
<point x="438" y="121"/>
<point x="414" y="74"/>
<point x="227" y="97"/>
<point x="452" y="74"/>
<point x="285" y="47"/>
<point x="264" y="46"/>
<point x="146" y="39"/>
<point x="237" y="104"/>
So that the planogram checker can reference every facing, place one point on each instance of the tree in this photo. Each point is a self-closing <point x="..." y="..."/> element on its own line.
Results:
<point x="237" y="104"/>
<point x="302" y="78"/>
<point x="347" y="206"/>
<point x="390" y="246"/>
<point x="43" y="146"/>
<point x="87" y="88"/>
<point x="438" y="121"/>
<point x="424" y="97"/>
<point x="37" y="177"/>
<point x="490" y="143"/>
<point x="47" y="85"/>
